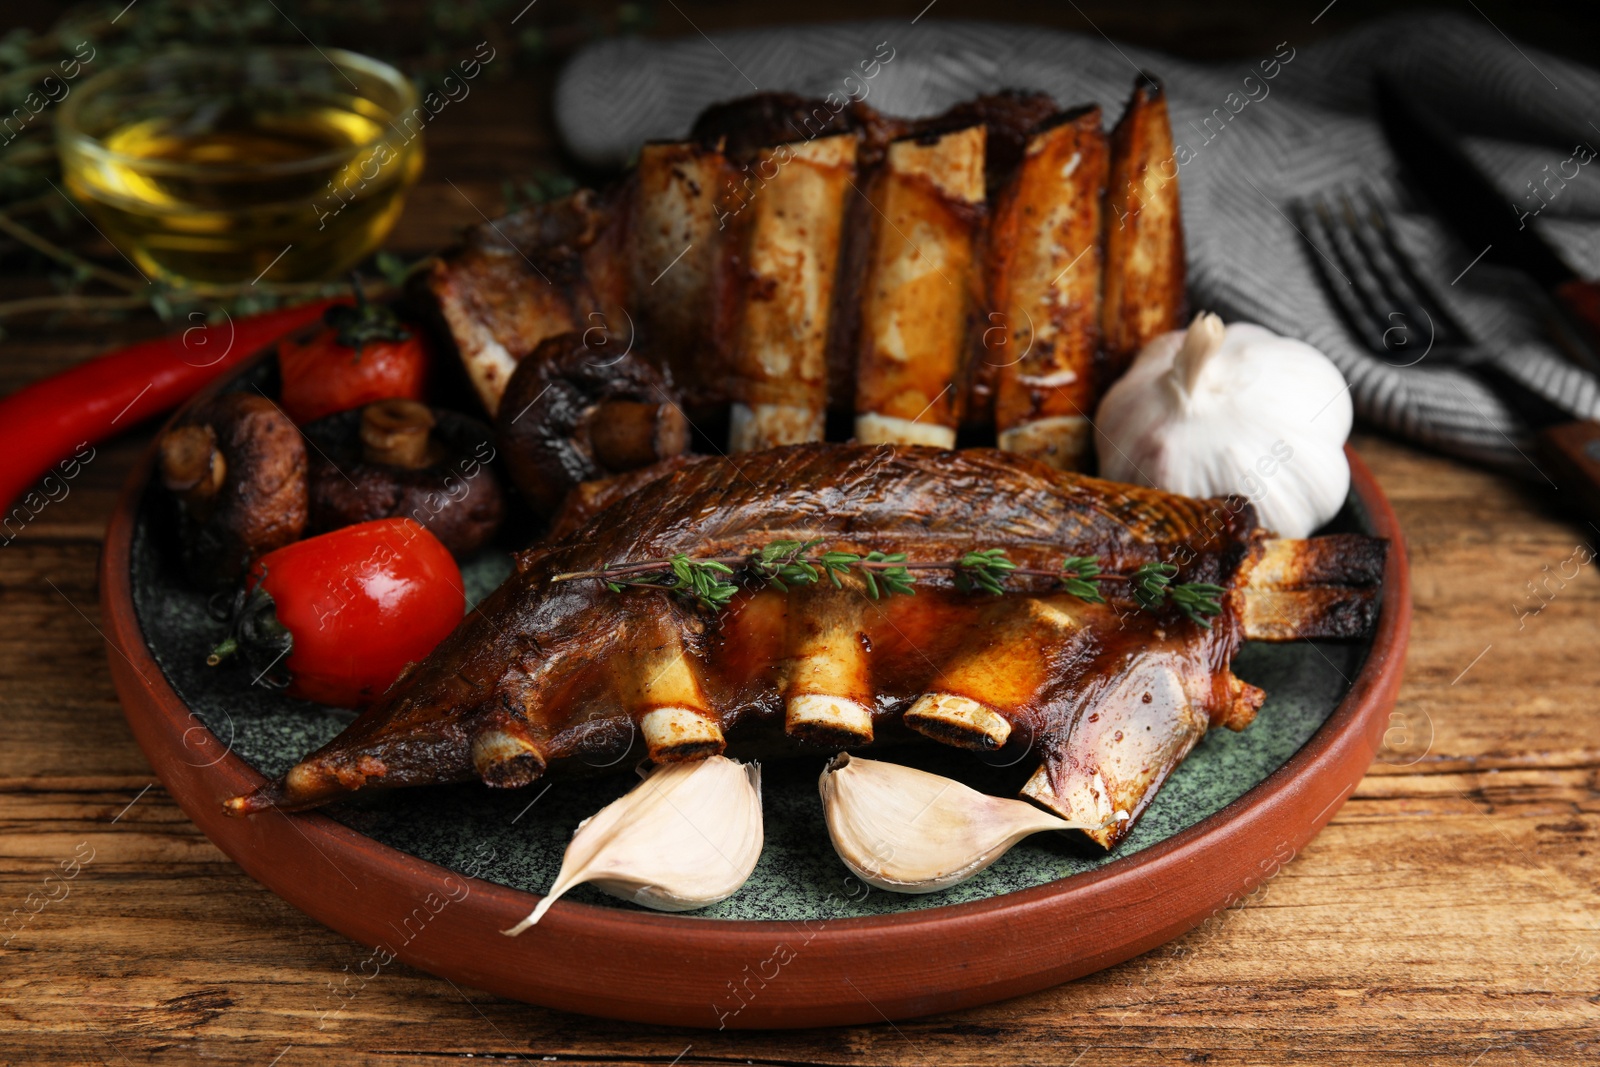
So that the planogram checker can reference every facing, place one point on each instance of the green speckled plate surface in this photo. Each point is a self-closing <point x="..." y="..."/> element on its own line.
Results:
<point x="516" y="838"/>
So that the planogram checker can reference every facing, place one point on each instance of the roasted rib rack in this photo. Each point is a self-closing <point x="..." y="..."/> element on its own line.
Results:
<point x="1106" y="698"/>
<point x="990" y="267"/>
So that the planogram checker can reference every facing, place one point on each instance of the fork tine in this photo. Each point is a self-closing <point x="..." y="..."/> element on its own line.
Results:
<point x="1391" y="297"/>
<point x="1396" y="286"/>
<point x="1338" y="274"/>
<point x="1377" y="304"/>
<point x="1372" y="282"/>
<point x="1451" y="331"/>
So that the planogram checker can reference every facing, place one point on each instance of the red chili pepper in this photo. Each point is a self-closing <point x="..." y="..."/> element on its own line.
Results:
<point x="43" y="422"/>
<point x="345" y="612"/>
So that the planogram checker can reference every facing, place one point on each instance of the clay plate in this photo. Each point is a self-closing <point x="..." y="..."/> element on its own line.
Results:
<point x="828" y="950"/>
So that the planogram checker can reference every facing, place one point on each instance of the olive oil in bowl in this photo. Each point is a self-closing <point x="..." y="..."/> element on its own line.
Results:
<point x="279" y="164"/>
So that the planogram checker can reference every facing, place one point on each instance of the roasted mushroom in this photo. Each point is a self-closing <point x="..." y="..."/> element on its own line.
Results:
<point x="237" y="467"/>
<point x="401" y="459"/>
<point x="571" y="414"/>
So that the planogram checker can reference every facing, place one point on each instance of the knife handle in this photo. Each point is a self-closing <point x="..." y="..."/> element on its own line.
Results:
<point x="1572" y="450"/>
<point x="1581" y="301"/>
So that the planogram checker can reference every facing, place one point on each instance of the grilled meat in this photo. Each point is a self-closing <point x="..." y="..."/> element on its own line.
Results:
<point x="1145" y="271"/>
<point x="679" y="211"/>
<point x="783" y="251"/>
<point x="1044" y="258"/>
<point x="546" y="270"/>
<point x="920" y="285"/>
<point x="793" y="257"/>
<point x="1107" y="698"/>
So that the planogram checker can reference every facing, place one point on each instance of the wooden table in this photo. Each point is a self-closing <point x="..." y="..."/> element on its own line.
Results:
<point x="1448" y="915"/>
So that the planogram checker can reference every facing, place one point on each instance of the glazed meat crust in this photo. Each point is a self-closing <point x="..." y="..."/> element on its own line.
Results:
<point x="549" y="669"/>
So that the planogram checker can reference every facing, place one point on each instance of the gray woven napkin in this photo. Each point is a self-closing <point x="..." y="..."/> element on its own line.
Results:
<point x="1256" y="146"/>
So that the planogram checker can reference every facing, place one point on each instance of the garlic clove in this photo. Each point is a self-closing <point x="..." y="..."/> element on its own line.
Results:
<point x="685" y="837"/>
<point x="909" y="831"/>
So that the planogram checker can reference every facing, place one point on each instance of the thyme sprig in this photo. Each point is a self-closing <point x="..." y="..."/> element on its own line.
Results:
<point x="1199" y="601"/>
<point x="709" y="582"/>
<point x="1078" y="576"/>
<point x="986" y="569"/>
<point x="1151" y="584"/>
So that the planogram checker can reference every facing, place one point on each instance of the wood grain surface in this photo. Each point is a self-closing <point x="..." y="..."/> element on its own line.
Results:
<point x="1450" y="914"/>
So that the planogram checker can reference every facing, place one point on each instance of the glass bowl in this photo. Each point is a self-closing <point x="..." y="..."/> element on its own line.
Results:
<point x="222" y="167"/>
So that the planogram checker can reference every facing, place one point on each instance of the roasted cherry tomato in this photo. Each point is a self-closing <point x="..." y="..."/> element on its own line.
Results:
<point x="360" y="354"/>
<point x="337" y="617"/>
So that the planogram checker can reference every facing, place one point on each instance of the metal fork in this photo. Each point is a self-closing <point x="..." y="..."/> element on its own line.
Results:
<point x="1390" y="309"/>
<point x="1383" y="301"/>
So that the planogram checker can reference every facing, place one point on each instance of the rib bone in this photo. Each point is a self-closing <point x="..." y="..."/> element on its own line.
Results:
<point x="913" y="333"/>
<point x="1321" y="587"/>
<point x="789" y="258"/>
<point x="1323" y="612"/>
<point x="1063" y="441"/>
<point x="504" y="753"/>
<point x="958" y="720"/>
<point x="677" y="721"/>
<point x="995" y="675"/>
<point x="674" y="734"/>
<point x="828" y="697"/>
<point x="1330" y="560"/>
<point x="1044" y="262"/>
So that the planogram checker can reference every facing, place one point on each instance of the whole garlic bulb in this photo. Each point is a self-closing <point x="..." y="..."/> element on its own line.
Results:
<point x="1214" y="410"/>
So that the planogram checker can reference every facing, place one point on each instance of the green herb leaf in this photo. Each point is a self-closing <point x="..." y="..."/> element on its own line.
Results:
<point x="701" y="581"/>
<point x="1198" y="600"/>
<point x="781" y="564"/>
<point x="1086" y="591"/>
<point x="798" y="573"/>
<point x="895" y="579"/>
<point x="1078" y="574"/>
<point x="778" y="551"/>
<point x="1081" y="566"/>
<point x="985" y="569"/>
<point x="1150" y="584"/>
<point x="899" y="581"/>
<point x="836" y="563"/>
